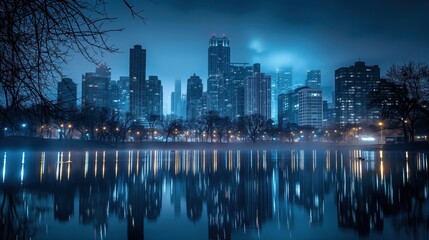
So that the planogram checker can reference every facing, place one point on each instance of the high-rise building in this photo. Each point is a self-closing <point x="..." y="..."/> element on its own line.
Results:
<point x="281" y="83"/>
<point x="67" y="95"/>
<point x="313" y="79"/>
<point x="219" y="56"/>
<point x="138" y="93"/>
<point x="154" y="92"/>
<point x="124" y="95"/>
<point x="239" y="72"/>
<point x="95" y="88"/>
<point x="284" y="80"/>
<point x="353" y="86"/>
<point x="288" y="108"/>
<point x="257" y="93"/>
<point x="176" y="99"/>
<point x="194" y="97"/>
<point x="173" y="103"/>
<point x="310" y="107"/>
<point x="213" y="90"/>
<point x="219" y="60"/>
<point x="114" y="97"/>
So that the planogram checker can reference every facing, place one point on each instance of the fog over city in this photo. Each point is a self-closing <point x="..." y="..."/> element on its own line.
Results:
<point x="303" y="35"/>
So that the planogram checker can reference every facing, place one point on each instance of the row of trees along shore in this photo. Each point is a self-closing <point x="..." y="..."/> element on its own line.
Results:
<point x="38" y="38"/>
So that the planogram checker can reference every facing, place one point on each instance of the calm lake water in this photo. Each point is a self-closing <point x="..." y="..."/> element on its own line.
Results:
<point x="293" y="194"/>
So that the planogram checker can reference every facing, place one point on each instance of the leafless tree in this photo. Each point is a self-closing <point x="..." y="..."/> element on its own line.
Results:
<point x="402" y="97"/>
<point x="37" y="37"/>
<point x="253" y="125"/>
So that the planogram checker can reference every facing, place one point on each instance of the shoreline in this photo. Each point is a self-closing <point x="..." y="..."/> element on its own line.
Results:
<point x="28" y="143"/>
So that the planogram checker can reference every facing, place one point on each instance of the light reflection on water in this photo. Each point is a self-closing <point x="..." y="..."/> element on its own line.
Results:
<point x="155" y="194"/>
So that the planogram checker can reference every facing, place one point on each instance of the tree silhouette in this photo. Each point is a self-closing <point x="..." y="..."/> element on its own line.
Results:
<point x="253" y="125"/>
<point x="402" y="97"/>
<point x="37" y="37"/>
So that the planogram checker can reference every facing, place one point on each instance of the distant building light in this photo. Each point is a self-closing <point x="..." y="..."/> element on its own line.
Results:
<point x="368" y="139"/>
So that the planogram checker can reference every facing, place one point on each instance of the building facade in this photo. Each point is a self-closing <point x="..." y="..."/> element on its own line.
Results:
<point x="353" y="86"/>
<point x="310" y="104"/>
<point x="67" y="95"/>
<point x="138" y="92"/>
<point x="176" y="99"/>
<point x="219" y="60"/>
<point x="257" y="93"/>
<point x="288" y="108"/>
<point x="239" y="72"/>
<point x="95" y="88"/>
<point x="313" y="79"/>
<point x="155" y="96"/>
<point x="194" y="97"/>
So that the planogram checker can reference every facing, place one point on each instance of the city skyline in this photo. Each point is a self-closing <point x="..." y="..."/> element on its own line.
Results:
<point x="312" y="39"/>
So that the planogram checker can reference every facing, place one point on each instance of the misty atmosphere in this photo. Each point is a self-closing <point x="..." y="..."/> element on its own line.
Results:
<point x="141" y="119"/>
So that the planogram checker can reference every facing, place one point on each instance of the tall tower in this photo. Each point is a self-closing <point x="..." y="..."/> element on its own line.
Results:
<point x="219" y="60"/>
<point x="219" y="56"/>
<point x="352" y="88"/>
<point x="257" y="93"/>
<point x="138" y="96"/>
<point x="313" y="79"/>
<point x="194" y="97"/>
<point x="239" y="72"/>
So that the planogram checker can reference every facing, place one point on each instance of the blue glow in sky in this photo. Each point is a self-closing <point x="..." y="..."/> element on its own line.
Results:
<point x="304" y="35"/>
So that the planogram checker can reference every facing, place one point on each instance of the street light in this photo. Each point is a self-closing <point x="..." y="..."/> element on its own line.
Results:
<point x="381" y="132"/>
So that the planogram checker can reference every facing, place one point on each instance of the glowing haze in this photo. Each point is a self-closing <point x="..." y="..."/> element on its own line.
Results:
<point x="306" y="34"/>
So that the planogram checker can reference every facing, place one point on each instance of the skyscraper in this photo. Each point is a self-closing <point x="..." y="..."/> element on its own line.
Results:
<point x="194" y="97"/>
<point x="67" y="95"/>
<point x="257" y="93"/>
<point x="124" y="95"/>
<point x="288" y="108"/>
<point x="352" y="88"/>
<point x="310" y="107"/>
<point x="95" y="88"/>
<point x="154" y="92"/>
<point x="239" y="71"/>
<point x="313" y="79"/>
<point x="114" y="97"/>
<point x="176" y="99"/>
<point x="284" y="80"/>
<point x="219" y="56"/>
<point x="138" y="93"/>
<point x="219" y="60"/>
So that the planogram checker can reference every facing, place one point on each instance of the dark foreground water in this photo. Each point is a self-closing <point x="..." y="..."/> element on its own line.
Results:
<point x="311" y="194"/>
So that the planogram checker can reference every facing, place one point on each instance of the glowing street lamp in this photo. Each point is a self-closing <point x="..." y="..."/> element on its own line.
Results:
<point x="381" y="132"/>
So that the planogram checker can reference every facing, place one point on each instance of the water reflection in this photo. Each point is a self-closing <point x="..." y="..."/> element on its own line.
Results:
<point x="234" y="193"/>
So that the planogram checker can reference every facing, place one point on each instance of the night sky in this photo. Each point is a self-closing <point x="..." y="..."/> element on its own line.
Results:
<point x="304" y="34"/>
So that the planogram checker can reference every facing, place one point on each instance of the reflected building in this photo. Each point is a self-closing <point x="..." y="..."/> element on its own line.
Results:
<point x="64" y="202"/>
<point x="243" y="191"/>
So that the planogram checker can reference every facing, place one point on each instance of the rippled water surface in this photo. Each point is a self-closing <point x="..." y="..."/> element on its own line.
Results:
<point x="294" y="194"/>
